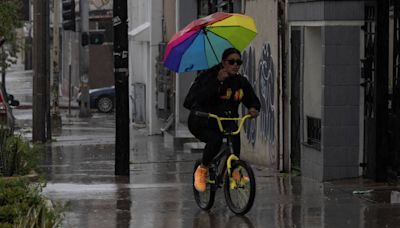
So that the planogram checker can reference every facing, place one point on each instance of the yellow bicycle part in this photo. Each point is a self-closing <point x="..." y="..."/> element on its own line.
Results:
<point x="231" y="158"/>
<point x="220" y="119"/>
<point x="232" y="183"/>
<point x="208" y="181"/>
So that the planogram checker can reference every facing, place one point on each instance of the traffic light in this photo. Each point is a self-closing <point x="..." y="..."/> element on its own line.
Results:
<point x="68" y="14"/>
<point x="96" y="38"/>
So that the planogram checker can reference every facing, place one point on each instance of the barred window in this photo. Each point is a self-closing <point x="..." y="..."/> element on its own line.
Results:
<point x="314" y="132"/>
<point x="206" y="7"/>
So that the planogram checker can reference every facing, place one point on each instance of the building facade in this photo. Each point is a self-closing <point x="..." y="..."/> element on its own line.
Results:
<point x="344" y="88"/>
<point x="311" y="67"/>
<point x="261" y="138"/>
<point x="325" y="74"/>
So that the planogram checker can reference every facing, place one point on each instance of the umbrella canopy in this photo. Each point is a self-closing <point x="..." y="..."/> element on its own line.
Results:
<point x="201" y="43"/>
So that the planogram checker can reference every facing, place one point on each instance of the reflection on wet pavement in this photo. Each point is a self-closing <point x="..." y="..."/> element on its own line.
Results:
<point x="158" y="192"/>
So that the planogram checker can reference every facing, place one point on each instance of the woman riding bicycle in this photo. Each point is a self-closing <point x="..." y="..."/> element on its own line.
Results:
<point x="220" y="90"/>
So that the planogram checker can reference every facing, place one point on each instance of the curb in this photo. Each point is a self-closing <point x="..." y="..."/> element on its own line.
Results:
<point x="23" y="107"/>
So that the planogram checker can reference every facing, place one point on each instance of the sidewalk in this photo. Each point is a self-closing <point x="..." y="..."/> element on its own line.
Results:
<point x="19" y="82"/>
<point x="158" y="193"/>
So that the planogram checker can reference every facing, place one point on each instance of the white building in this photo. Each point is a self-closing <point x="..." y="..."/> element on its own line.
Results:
<point x="145" y="34"/>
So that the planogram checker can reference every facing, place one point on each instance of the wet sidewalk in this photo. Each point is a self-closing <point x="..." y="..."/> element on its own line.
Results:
<point x="158" y="193"/>
<point x="79" y="169"/>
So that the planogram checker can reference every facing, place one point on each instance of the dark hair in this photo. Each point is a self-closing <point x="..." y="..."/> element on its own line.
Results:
<point x="230" y="51"/>
<point x="218" y="66"/>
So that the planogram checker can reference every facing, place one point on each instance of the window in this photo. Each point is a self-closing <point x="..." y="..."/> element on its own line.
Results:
<point x="206" y="7"/>
<point x="230" y="6"/>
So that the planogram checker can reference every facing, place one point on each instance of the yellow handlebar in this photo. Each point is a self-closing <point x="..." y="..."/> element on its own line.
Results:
<point x="220" y="119"/>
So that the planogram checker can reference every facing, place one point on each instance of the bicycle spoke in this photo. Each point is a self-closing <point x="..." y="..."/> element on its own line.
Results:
<point x="241" y="198"/>
<point x="240" y="190"/>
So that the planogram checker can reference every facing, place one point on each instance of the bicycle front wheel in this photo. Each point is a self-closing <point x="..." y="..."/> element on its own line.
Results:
<point x="204" y="200"/>
<point x="240" y="189"/>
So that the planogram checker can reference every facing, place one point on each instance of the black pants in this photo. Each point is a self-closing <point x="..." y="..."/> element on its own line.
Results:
<point x="207" y="131"/>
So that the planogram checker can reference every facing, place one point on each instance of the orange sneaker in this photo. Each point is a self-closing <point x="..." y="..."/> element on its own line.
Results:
<point x="200" y="178"/>
<point x="237" y="176"/>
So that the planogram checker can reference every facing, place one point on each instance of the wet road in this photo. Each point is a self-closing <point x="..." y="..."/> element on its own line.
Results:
<point x="79" y="169"/>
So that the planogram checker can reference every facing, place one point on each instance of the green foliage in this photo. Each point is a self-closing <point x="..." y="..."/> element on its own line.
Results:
<point x="10" y="17"/>
<point x="21" y="205"/>
<point x="18" y="156"/>
<point x="10" y="21"/>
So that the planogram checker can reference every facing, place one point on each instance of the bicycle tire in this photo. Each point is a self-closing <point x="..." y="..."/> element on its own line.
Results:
<point x="205" y="200"/>
<point x="247" y="190"/>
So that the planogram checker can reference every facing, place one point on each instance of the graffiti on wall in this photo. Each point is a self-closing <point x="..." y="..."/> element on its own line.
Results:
<point x="267" y="94"/>
<point x="248" y="70"/>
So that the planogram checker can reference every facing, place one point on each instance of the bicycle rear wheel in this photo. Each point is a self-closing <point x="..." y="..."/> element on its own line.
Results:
<point x="240" y="193"/>
<point x="205" y="200"/>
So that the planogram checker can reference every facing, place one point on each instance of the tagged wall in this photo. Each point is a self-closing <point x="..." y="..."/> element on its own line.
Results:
<point x="259" y="138"/>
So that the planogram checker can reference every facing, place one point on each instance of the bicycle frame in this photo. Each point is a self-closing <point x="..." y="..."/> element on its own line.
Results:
<point x="224" y="151"/>
<point x="239" y="187"/>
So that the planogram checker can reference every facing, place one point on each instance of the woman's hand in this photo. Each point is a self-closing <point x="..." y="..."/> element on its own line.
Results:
<point x="253" y="112"/>
<point x="222" y="75"/>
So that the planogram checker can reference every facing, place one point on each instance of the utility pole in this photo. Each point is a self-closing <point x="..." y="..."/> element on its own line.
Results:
<point x="84" y="58"/>
<point x="69" y="22"/>
<point x="121" y="74"/>
<point x="381" y="90"/>
<point x="55" y="116"/>
<point x="41" y="18"/>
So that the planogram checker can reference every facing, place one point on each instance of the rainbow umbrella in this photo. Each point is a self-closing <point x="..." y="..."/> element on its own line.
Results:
<point x="201" y="43"/>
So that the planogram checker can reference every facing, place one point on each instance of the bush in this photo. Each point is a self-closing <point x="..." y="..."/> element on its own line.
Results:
<point x="21" y="202"/>
<point x="21" y="205"/>
<point x="18" y="156"/>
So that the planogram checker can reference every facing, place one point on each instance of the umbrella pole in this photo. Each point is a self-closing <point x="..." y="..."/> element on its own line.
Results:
<point x="205" y="33"/>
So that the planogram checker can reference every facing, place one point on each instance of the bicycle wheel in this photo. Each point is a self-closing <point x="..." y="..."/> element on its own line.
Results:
<point x="240" y="193"/>
<point x="204" y="200"/>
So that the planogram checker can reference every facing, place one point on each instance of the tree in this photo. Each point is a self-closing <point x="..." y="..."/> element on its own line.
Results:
<point x="10" y="14"/>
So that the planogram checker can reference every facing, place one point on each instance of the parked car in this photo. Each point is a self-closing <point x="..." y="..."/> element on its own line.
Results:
<point x="7" y="119"/>
<point x="102" y="99"/>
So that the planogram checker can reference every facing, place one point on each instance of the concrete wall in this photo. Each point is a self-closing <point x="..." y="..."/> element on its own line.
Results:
<point x="70" y="47"/>
<point x="145" y="34"/>
<point x="169" y="18"/>
<point x="156" y="11"/>
<point x="101" y="67"/>
<point x="138" y="14"/>
<point x="260" y="139"/>
<point x="325" y="10"/>
<point x="339" y="25"/>
<point x="312" y="72"/>
<point x="311" y="158"/>
<point x="187" y="13"/>
<point x="341" y="97"/>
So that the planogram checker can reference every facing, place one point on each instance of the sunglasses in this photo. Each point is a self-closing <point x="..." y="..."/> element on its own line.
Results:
<point x="233" y="61"/>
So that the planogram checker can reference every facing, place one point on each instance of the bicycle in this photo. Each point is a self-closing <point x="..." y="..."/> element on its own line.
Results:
<point x="239" y="193"/>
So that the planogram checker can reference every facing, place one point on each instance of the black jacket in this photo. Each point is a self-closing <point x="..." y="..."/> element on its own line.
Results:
<point x="223" y="98"/>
